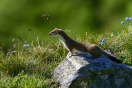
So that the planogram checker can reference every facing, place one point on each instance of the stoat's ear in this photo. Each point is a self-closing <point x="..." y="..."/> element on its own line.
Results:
<point x="56" y="29"/>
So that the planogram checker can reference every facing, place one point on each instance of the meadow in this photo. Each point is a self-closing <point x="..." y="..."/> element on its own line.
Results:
<point x="31" y="65"/>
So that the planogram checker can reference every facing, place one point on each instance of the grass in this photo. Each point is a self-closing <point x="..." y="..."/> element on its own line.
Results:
<point x="32" y="66"/>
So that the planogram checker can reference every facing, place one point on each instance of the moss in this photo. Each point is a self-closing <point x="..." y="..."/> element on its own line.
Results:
<point x="108" y="71"/>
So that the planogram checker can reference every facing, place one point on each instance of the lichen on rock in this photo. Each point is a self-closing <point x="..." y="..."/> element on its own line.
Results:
<point x="81" y="71"/>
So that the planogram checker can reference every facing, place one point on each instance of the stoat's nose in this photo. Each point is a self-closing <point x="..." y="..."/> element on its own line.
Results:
<point x="50" y="33"/>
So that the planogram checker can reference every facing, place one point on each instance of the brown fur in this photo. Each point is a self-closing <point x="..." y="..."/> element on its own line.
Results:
<point x="92" y="49"/>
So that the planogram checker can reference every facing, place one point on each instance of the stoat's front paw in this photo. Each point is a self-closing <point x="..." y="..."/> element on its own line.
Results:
<point x="70" y="55"/>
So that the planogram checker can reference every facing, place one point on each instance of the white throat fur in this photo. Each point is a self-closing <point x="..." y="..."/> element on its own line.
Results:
<point x="62" y="40"/>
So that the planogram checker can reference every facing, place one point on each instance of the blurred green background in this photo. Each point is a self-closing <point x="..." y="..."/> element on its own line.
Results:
<point x="23" y="18"/>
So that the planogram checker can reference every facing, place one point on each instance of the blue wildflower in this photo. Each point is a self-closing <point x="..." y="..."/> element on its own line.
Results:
<point x="122" y="22"/>
<point x="101" y="43"/>
<point x="103" y="39"/>
<point x="130" y="18"/>
<point x="127" y="18"/>
<point x="26" y="45"/>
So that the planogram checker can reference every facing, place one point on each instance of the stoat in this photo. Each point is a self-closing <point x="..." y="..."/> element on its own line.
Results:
<point x="75" y="47"/>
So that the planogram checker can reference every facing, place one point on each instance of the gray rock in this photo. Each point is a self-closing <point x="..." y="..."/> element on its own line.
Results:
<point x="81" y="71"/>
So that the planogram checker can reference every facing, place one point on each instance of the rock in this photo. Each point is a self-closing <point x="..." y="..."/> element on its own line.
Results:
<point x="81" y="71"/>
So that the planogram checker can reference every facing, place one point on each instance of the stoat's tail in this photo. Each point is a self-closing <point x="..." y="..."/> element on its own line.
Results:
<point x="111" y="57"/>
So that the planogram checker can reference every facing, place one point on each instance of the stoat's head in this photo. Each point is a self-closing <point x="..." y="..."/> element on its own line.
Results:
<point x="56" y="32"/>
